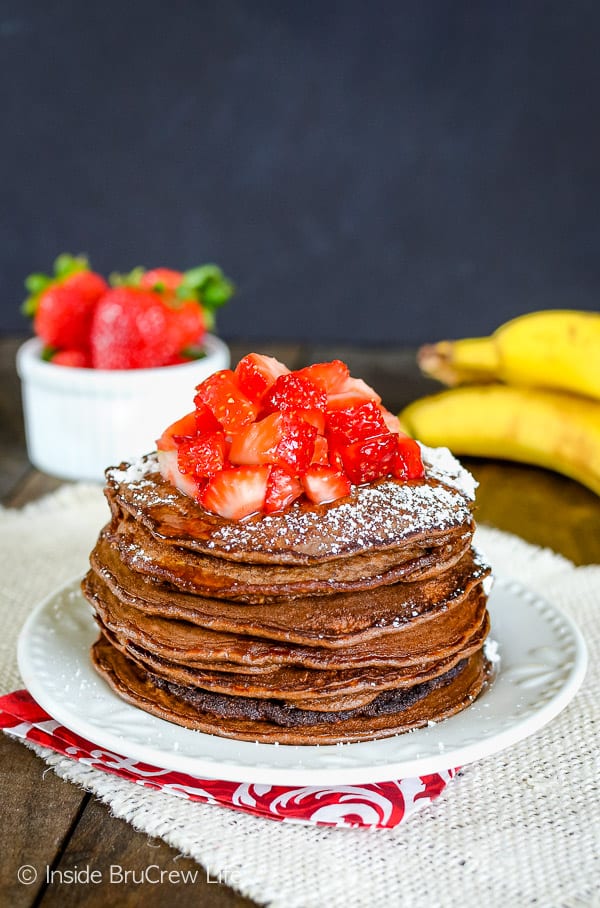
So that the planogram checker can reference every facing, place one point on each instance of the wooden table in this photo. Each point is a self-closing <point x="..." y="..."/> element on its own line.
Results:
<point x="50" y="822"/>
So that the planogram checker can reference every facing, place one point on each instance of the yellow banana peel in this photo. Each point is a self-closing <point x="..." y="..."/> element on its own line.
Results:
<point x="546" y="428"/>
<point x="547" y="349"/>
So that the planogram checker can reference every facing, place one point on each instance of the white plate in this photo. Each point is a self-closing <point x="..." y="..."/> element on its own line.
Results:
<point x="543" y="662"/>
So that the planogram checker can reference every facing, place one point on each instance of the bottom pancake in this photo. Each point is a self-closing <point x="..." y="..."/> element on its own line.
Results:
<point x="247" y="719"/>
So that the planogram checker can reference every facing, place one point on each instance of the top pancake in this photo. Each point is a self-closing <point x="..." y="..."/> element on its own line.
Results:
<point x="377" y="517"/>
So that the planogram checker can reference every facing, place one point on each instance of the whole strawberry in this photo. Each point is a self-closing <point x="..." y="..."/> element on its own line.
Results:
<point x="157" y="317"/>
<point x="193" y="295"/>
<point x="62" y="305"/>
<point x="131" y="329"/>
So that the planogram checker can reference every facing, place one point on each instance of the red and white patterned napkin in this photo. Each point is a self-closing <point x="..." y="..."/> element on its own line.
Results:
<point x="378" y="806"/>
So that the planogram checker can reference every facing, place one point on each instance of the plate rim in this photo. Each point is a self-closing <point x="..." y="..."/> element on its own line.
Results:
<point x="177" y="761"/>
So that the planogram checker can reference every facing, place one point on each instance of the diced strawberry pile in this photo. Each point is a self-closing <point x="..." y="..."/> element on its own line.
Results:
<point x="146" y="319"/>
<point x="262" y="437"/>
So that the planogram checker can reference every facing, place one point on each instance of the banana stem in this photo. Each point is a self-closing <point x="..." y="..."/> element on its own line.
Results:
<point x="472" y="359"/>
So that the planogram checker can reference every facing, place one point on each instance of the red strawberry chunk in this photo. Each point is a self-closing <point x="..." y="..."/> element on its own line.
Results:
<point x="203" y="455"/>
<point x="181" y="428"/>
<point x="409" y="464"/>
<point x="322" y="484"/>
<point x="355" y="423"/>
<point x="330" y="377"/>
<point x="365" y="461"/>
<point x="321" y="451"/>
<point x="315" y="417"/>
<point x="352" y="393"/>
<point x="291" y="392"/>
<point x="169" y="470"/>
<point x="280" y="438"/>
<point x="257" y="443"/>
<point x="282" y="490"/>
<point x="255" y="374"/>
<point x="392" y="422"/>
<point x="297" y="444"/>
<point x="237" y="492"/>
<point x="232" y="409"/>
<point x="205" y="421"/>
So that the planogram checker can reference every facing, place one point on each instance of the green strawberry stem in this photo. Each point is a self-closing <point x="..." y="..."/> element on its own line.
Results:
<point x="64" y="266"/>
<point x="48" y="353"/>
<point x="208" y="285"/>
<point x="193" y="353"/>
<point x="130" y="279"/>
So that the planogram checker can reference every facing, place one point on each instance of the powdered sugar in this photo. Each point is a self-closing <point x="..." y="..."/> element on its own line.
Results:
<point x="442" y="464"/>
<point x="491" y="651"/>
<point x="136" y="470"/>
<point x="377" y="515"/>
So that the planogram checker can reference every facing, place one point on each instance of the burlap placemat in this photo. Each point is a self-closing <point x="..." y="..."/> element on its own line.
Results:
<point x="520" y="828"/>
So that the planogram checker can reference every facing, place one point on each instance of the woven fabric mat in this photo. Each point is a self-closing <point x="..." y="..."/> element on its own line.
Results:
<point x="519" y="828"/>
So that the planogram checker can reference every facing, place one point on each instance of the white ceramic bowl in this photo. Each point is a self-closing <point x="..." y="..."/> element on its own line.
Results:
<point x="78" y="422"/>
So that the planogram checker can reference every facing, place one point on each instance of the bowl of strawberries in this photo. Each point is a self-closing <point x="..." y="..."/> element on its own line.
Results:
<point x="112" y="361"/>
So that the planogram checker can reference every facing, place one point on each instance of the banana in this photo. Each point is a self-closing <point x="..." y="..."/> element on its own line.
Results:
<point x="548" y="349"/>
<point x="546" y="428"/>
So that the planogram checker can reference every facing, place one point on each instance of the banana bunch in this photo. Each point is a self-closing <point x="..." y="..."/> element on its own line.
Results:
<point x="530" y="392"/>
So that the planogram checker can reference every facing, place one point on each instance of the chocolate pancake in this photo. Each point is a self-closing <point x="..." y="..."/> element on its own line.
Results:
<point x="330" y="689"/>
<point x="436" y="636"/>
<point x="380" y="516"/>
<point x="347" y="621"/>
<point x="246" y="719"/>
<point x="358" y="615"/>
<point x="205" y="575"/>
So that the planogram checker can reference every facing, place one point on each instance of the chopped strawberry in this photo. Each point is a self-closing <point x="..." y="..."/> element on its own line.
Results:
<point x="205" y="421"/>
<point x="237" y="492"/>
<point x="203" y="455"/>
<point x="63" y="305"/>
<point x="232" y="409"/>
<point x="409" y="464"/>
<point x="322" y="484"/>
<point x="296" y="447"/>
<point x="342" y="390"/>
<point x="330" y="377"/>
<point x="280" y="438"/>
<point x="315" y="417"/>
<point x="320" y="453"/>
<point x="282" y="490"/>
<point x="352" y="393"/>
<point x="370" y="459"/>
<point x="236" y="461"/>
<point x="392" y="422"/>
<point x="292" y="392"/>
<point x="256" y="373"/>
<point x="169" y="470"/>
<point x="178" y="430"/>
<point x="356" y="423"/>
<point x="77" y="359"/>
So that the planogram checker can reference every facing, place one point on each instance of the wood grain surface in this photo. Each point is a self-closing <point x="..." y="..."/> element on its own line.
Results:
<point x="48" y="823"/>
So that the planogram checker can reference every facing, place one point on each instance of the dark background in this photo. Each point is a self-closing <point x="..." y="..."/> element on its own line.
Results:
<point x="366" y="172"/>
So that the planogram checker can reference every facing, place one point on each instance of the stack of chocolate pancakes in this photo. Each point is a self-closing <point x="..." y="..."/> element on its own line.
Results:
<point x="349" y="621"/>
